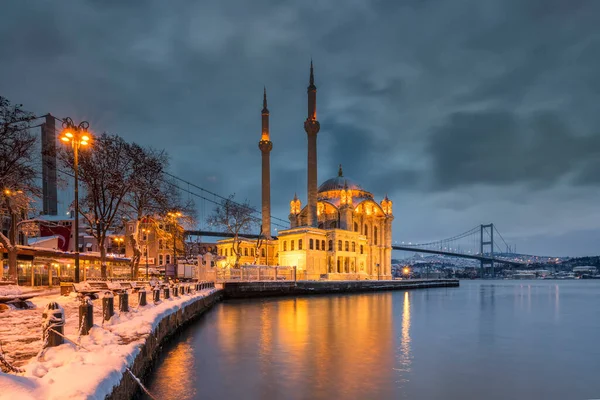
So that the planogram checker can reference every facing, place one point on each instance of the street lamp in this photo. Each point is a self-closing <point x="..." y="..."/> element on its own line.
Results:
<point x="145" y="232"/>
<point x="76" y="136"/>
<point x="174" y="216"/>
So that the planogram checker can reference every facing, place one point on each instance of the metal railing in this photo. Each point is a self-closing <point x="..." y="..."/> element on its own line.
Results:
<point x="255" y="273"/>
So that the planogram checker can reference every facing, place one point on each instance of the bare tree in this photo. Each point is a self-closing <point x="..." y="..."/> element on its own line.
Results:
<point x="236" y="219"/>
<point x="17" y="176"/>
<point x="148" y="198"/>
<point x="258" y="244"/>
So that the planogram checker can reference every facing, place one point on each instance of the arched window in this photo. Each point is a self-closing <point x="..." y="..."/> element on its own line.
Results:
<point x="353" y="246"/>
<point x="333" y="225"/>
<point x="320" y="226"/>
<point x="331" y="245"/>
<point x="299" y="244"/>
<point x="347" y="246"/>
<point x="339" y="245"/>
<point x="355" y="227"/>
<point x="361" y="249"/>
<point x="323" y="245"/>
<point x="375" y="234"/>
<point x="246" y="251"/>
<point x="366" y="230"/>
<point x="291" y="245"/>
<point x="284" y="245"/>
<point x="263" y="252"/>
<point x="311" y="244"/>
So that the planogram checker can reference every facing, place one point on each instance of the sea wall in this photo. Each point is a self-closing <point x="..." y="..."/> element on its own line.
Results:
<point x="236" y="290"/>
<point x="169" y="325"/>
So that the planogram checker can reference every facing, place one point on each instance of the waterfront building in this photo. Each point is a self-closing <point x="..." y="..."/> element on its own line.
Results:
<point x="342" y="233"/>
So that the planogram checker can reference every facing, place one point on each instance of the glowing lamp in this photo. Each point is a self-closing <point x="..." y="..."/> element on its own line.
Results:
<point x="68" y="134"/>
<point x="64" y="139"/>
<point x="85" y="138"/>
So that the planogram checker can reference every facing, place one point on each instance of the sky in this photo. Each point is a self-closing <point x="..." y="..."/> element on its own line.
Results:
<point x="463" y="112"/>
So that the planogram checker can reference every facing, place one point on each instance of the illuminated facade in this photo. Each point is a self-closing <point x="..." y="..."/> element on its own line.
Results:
<point x="342" y="233"/>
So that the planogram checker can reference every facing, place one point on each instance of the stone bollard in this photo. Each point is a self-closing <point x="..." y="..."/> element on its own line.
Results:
<point x="53" y="318"/>
<point x="124" y="301"/>
<point x="108" y="305"/>
<point x="166" y="295"/>
<point x="175" y="291"/>
<point x="142" y="297"/>
<point x="156" y="293"/>
<point x="86" y="316"/>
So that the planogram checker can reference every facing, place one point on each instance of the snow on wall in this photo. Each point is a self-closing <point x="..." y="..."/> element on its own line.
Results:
<point x="68" y="372"/>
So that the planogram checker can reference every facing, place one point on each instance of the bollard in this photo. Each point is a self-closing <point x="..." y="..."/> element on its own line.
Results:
<point x="175" y="291"/>
<point x="142" y="297"/>
<point x="86" y="316"/>
<point x="53" y="318"/>
<point x="108" y="305"/>
<point x="124" y="301"/>
<point x="166" y="296"/>
<point x="156" y="293"/>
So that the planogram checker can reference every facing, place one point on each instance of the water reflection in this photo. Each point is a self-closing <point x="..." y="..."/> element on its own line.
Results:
<point x="485" y="340"/>
<point x="404" y="356"/>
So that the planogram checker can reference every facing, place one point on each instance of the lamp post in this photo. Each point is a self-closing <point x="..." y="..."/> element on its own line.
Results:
<point x="76" y="136"/>
<point x="145" y="231"/>
<point x="173" y="216"/>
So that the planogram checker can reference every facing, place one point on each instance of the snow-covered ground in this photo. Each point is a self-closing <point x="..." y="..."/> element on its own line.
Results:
<point x="69" y="372"/>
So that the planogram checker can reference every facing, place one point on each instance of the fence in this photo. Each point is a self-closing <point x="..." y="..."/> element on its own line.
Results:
<point x="248" y="273"/>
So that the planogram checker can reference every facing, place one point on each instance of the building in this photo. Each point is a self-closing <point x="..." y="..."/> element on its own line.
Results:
<point x="342" y="233"/>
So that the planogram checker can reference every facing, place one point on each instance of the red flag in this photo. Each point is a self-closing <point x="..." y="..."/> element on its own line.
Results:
<point x="63" y="233"/>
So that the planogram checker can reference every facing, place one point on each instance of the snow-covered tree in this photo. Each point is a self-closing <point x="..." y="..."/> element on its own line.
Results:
<point x="17" y="176"/>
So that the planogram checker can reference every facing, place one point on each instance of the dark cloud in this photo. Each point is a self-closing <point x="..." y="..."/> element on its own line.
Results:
<point x="496" y="147"/>
<point x="439" y="104"/>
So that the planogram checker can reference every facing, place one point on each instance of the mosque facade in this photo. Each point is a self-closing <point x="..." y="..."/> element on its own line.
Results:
<point x="342" y="233"/>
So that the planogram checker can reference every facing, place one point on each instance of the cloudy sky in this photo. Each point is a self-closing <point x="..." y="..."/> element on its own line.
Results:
<point x="463" y="112"/>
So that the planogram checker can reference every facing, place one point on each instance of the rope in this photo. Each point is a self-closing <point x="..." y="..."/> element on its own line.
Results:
<point x="135" y="378"/>
<point x="7" y="364"/>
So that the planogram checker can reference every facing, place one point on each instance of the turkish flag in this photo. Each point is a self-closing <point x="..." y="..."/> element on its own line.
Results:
<point x="63" y="233"/>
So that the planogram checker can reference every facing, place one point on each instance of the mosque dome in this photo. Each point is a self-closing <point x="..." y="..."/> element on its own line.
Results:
<point x="330" y="190"/>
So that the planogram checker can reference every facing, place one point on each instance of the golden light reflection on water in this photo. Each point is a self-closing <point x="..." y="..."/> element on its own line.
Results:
<point x="311" y="344"/>
<point x="404" y="354"/>
<point x="177" y="370"/>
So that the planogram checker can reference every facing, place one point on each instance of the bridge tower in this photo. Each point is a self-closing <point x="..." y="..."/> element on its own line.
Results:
<point x="487" y="239"/>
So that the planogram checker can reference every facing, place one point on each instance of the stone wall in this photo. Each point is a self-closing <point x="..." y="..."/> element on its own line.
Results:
<point x="128" y="388"/>
<point x="263" y="289"/>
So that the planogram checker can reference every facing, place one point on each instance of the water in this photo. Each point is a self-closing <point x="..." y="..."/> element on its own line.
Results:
<point x="484" y="340"/>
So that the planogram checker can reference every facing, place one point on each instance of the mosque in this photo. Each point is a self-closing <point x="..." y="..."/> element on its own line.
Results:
<point x="341" y="233"/>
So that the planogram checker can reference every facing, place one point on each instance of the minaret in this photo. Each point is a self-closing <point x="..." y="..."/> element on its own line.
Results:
<point x="312" y="126"/>
<point x="265" y="145"/>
